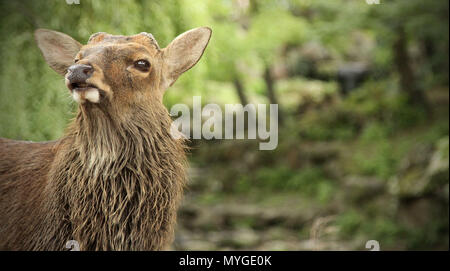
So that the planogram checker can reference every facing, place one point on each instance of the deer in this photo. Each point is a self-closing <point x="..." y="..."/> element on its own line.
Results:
<point x="115" y="179"/>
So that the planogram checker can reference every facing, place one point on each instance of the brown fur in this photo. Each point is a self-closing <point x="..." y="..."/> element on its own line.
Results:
<point x="115" y="179"/>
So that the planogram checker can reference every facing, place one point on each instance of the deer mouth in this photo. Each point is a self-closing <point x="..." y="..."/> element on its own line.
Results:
<point x="82" y="92"/>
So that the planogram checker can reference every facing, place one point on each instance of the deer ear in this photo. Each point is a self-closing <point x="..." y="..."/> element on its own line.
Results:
<point x="59" y="49"/>
<point x="183" y="53"/>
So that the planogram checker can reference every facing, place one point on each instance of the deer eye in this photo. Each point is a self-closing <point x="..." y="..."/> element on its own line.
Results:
<point x="142" y="65"/>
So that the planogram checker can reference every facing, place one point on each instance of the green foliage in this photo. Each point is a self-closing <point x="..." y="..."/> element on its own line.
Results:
<point x="350" y="222"/>
<point x="310" y="182"/>
<point x="376" y="105"/>
<point x="439" y="130"/>
<point x="380" y="101"/>
<point x="327" y="125"/>
<point x="381" y="162"/>
<point x="375" y="131"/>
<point x="380" y="228"/>
<point x="287" y="30"/>
<point x="423" y="24"/>
<point x="430" y="235"/>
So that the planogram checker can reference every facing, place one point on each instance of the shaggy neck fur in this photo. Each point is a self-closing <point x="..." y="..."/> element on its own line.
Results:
<point x="116" y="184"/>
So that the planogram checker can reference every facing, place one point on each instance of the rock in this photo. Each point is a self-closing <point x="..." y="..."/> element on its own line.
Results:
<point x="363" y="187"/>
<point x="421" y="185"/>
<point x="317" y="154"/>
<point x="232" y="215"/>
<point x="424" y="170"/>
<point x="244" y="238"/>
<point x="437" y="170"/>
<point x="416" y="213"/>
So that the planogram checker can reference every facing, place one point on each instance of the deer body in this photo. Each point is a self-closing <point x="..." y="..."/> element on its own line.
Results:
<point x="115" y="179"/>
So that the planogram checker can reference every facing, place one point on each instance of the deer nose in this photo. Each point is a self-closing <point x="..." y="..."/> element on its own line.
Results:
<point x="79" y="73"/>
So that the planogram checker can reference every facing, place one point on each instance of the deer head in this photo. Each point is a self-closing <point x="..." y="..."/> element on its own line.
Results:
<point x="118" y="72"/>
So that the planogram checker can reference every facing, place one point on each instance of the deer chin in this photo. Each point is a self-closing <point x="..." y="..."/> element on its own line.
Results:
<point x="86" y="94"/>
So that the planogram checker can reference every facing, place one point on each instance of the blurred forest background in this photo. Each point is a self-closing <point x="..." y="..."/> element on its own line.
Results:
<point x="364" y="101"/>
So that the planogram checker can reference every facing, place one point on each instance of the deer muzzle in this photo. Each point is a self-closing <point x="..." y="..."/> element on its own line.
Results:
<point x="77" y="81"/>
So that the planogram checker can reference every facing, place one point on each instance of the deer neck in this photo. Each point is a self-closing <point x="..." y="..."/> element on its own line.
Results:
<point x="121" y="179"/>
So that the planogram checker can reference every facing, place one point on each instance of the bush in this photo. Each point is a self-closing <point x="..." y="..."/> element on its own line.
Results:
<point x="328" y="125"/>
<point x="383" y="102"/>
<point x="310" y="182"/>
<point x="375" y="103"/>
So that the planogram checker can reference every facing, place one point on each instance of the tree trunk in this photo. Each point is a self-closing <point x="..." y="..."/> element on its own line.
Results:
<point x="240" y="91"/>
<point x="269" y="86"/>
<point x="402" y="61"/>
<point x="271" y="95"/>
